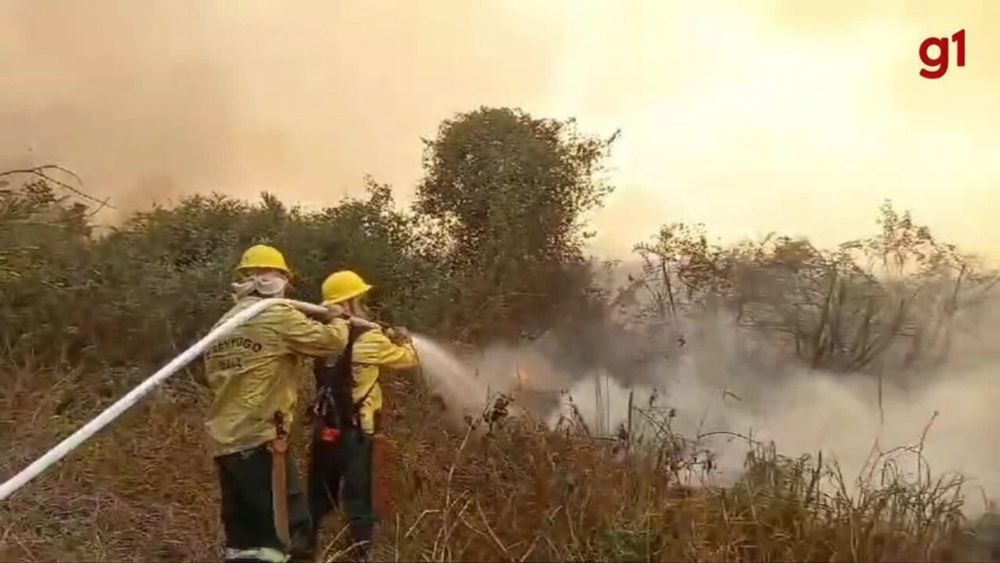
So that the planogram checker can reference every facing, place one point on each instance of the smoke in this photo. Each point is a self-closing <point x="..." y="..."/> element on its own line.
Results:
<point x="149" y="101"/>
<point x="841" y="416"/>
<point x="123" y="95"/>
<point x="724" y="383"/>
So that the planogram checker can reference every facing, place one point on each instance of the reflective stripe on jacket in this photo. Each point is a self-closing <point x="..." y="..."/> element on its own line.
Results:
<point x="255" y="370"/>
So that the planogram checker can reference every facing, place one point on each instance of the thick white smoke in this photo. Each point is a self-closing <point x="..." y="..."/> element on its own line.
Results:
<point x="721" y="383"/>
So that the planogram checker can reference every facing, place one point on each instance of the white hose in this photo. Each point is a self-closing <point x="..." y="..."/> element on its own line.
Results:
<point x="115" y="410"/>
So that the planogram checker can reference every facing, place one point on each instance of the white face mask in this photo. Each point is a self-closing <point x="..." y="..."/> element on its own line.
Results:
<point x="268" y="284"/>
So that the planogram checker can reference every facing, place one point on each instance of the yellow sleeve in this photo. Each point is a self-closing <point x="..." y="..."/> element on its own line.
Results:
<point x="374" y="348"/>
<point x="305" y="336"/>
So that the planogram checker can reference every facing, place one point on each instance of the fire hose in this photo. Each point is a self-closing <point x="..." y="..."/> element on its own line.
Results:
<point x="132" y="397"/>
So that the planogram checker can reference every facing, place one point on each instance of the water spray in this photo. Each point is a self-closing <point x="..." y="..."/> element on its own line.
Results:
<point x="450" y="376"/>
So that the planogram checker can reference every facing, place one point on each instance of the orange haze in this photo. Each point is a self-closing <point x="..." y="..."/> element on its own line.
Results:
<point x="797" y="116"/>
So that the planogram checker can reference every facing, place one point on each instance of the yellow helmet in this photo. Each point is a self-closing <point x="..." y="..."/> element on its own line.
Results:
<point x="343" y="285"/>
<point x="261" y="256"/>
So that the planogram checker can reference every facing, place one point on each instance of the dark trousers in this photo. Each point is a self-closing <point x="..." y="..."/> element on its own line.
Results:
<point x="343" y="467"/>
<point x="247" y="501"/>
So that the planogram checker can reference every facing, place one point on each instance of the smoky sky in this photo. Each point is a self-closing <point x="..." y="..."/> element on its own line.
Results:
<point x="151" y="100"/>
<point x="749" y="117"/>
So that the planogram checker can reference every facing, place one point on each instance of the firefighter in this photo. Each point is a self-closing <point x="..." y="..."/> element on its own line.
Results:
<point x="347" y="446"/>
<point x="253" y="373"/>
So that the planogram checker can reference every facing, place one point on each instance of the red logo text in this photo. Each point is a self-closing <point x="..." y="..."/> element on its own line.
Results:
<point x="937" y="65"/>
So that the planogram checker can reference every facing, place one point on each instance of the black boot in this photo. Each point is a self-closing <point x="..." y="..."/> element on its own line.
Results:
<point x="361" y="537"/>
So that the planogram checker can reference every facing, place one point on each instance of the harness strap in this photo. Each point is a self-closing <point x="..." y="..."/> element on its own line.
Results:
<point x="335" y="403"/>
<point x="361" y="401"/>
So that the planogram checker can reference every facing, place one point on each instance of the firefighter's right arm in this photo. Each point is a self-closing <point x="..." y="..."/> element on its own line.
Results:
<point x="375" y="348"/>
<point x="305" y="336"/>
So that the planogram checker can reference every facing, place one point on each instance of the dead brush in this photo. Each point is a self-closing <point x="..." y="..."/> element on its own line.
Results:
<point x="145" y="490"/>
<point x="137" y="492"/>
<point x="523" y="492"/>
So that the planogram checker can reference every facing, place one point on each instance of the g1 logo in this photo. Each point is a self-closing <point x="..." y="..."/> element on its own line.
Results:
<point x="938" y="66"/>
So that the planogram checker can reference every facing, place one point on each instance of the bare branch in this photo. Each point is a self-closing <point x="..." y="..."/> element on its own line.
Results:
<point x="42" y="172"/>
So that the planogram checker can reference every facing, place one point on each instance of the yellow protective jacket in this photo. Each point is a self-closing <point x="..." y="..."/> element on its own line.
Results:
<point x="372" y="351"/>
<point x="255" y="370"/>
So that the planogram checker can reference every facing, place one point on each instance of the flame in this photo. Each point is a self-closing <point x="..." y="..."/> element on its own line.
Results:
<point x="533" y="374"/>
<point x="524" y="378"/>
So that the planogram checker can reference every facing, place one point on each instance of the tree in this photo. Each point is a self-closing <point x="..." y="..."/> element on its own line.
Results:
<point x="509" y="192"/>
<point x="885" y="302"/>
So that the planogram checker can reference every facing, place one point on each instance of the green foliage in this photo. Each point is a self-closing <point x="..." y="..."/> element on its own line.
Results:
<point x="509" y="191"/>
<point x="44" y="240"/>
<point x="148" y="288"/>
<point x="494" y="244"/>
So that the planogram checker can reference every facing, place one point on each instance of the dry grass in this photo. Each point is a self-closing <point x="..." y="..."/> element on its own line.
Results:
<point x="145" y="490"/>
